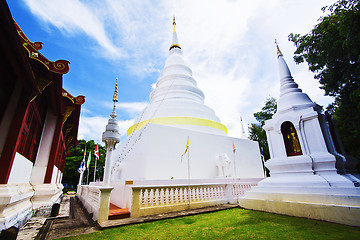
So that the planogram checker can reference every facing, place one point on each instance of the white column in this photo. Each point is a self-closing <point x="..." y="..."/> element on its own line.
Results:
<point x="109" y="150"/>
<point x="43" y="154"/>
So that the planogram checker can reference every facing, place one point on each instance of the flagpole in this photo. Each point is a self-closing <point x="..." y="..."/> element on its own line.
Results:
<point x="95" y="169"/>
<point x="87" y="178"/>
<point x="80" y="178"/>
<point x="88" y="168"/>
<point x="96" y="158"/>
<point x="234" y="166"/>
<point x="189" y="173"/>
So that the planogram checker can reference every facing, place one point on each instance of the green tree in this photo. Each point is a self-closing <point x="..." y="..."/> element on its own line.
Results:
<point x="74" y="159"/>
<point x="256" y="131"/>
<point x="332" y="51"/>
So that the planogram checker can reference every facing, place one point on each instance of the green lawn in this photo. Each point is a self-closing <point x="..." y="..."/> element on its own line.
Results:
<point x="230" y="224"/>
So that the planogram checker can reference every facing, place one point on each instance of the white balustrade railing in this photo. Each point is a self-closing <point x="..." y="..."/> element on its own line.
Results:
<point x="155" y="197"/>
<point x="238" y="190"/>
<point x="148" y="200"/>
<point x="90" y="198"/>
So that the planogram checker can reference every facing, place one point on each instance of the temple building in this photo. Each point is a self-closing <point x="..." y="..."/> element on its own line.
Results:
<point x="38" y="124"/>
<point x="309" y="176"/>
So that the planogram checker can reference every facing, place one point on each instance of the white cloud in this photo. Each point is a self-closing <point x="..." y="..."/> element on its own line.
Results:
<point x="91" y="128"/>
<point x="229" y="45"/>
<point x="132" y="108"/>
<point x="72" y="16"/>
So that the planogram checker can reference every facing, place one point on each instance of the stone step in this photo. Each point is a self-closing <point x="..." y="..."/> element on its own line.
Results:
<point x="116" y="212"/>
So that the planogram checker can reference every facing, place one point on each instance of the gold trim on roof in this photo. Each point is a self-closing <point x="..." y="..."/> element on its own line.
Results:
<point x="59" y="66"/>
<point x="76" y="100"/>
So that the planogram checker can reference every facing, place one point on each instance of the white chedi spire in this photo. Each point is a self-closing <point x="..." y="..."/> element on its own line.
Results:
<point x="177" y="101"/>
<point x="110" y="137"/>
<point x="291" y="96"/>
<point x="112" y="133"/>
<point x="243" y="134"/>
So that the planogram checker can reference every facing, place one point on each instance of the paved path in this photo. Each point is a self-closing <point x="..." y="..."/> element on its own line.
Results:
<point x="73" y="221"/>
<point x="76" y="223"/>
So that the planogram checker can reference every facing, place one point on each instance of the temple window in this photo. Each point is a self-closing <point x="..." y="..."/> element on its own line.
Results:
<point x="291" y="139"/>
<point x="32" y="129"/>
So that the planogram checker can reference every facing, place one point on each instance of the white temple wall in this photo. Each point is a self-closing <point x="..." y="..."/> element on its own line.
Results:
<point x="21" y="170"/>
<point x="157" y="155"/>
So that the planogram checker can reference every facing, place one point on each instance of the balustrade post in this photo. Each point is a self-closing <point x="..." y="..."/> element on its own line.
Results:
<point x="104" y="203"/>
<point x="229" y="193"/>
<point x="135" y="203"/>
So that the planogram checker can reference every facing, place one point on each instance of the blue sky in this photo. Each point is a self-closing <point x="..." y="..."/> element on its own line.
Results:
<point x="228" y="44"/>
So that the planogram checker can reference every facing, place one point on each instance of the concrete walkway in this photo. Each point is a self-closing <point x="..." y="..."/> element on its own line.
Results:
<point x="32" y="227"/>
<point x="73" y="220"/>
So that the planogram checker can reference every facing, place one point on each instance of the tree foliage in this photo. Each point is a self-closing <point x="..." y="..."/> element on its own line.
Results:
<point x="256" y="132"/>
<point x="75" y="157"/>
<point x="332" y="51"/>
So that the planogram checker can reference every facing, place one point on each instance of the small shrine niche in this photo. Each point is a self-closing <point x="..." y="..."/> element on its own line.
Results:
<point x="291" y="139"/>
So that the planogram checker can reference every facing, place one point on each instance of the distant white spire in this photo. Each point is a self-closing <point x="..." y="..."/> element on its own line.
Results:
<point x="290" y="94"/>
<point x="111" y="136"/>
<point x="243" y="134"/>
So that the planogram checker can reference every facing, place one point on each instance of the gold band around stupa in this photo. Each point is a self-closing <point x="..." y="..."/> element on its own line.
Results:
<point x="179" y="121"/>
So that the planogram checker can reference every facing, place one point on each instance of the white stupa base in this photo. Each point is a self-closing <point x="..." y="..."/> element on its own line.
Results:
<point x="301" y="205"/>
<point x="308" y="196"/>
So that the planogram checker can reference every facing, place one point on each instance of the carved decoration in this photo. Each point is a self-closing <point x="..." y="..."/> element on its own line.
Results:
<point x="59" y="66"/>
<point x="68" y="111"/>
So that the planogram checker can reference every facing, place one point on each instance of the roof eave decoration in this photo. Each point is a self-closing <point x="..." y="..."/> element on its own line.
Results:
<point x="71" y="116"/>
<point x="59" y="66"/>
<point x="79" y="100"/>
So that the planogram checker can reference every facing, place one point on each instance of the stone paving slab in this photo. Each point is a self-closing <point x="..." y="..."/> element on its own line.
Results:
<point x="32" y="227"/>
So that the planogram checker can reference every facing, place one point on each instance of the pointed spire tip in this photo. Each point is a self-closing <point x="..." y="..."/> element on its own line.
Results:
<point x="115" y="97"/>
<point x="279" y="53"/>
<point x="174" y="23"/>
<point x="175" y="43"/>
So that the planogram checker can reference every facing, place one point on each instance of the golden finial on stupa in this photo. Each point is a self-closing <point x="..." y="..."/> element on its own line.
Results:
<point x="279" y="53"/>
<point x="174" y="23"/>
<point x="115" y="98"/>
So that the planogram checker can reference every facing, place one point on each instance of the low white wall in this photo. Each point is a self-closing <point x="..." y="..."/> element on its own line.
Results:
<point x="204" y="192"/>
<point x="90" y="197"/>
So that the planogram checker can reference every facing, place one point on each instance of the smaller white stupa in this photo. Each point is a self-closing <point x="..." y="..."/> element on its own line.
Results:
<point x="304" y="179"/>
<point x="111" y="136"/>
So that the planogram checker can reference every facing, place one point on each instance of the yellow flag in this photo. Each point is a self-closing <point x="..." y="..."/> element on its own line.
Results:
<point x="186" y="149"/>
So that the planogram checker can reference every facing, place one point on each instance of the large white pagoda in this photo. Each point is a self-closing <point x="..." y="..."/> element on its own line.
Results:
<point x="176" y="119"/>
